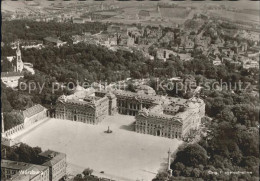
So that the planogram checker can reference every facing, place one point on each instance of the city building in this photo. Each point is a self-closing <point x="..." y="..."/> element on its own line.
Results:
<point x="164" y="54"/>
<point x="145" y="89"/>
<point x="21" y="171"/>
<point x="53" y="41"/>
<point x="11" y="79"/>
<point x="81" y="20"/>
<point x="143" y="14"/>
<point x="88" y="106"/>
<point x="56" y="162"/>
<point x="27" y="44"/>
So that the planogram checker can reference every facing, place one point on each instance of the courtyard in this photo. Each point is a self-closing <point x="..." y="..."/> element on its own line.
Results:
<point x="121" y="155"/>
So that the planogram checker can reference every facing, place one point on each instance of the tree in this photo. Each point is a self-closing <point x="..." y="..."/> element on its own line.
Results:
<point x="6" y="106"/>
<point x="161" y="176"/>
<point x="78" y="177"/>
<point x="130" y="87"/>
<point x="192" y="155"/>
<point x="187" y="171"/>
<point x="195" y="173"/>
<point x="12" y="119"/>
<point x="23" y="153"/>
<point x="87" y="172"/>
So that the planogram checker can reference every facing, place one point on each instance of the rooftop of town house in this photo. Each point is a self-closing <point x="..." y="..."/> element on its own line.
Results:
<point x="171" y="108"/>
<point x="53" y="40"/>
<point x="86" y="97"/>
<point x="11" y="74"/>
<point x="192" y="105"/>
<point x="151" y="98"/>
<point x="15" y="165"/>
<point x="27" y="175"/>
<point x="51" y="157"/>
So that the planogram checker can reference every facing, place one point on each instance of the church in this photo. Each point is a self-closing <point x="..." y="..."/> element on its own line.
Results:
<point x="11" y="78"/>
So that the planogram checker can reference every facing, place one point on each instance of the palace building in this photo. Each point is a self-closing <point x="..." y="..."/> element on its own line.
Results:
<point x="156" y="115"/>
<point x="161" y="116"/>
<point x="11" y="79"/>
<point x="87" y="106"/>
<point x="175" y="120"/>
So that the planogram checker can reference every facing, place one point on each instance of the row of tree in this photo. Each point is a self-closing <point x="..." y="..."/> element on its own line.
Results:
<point x="21" y="153"/>
<point x="32" y="30"/>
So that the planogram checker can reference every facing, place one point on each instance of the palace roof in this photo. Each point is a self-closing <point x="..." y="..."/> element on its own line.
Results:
<point x="152" y="98"/>
<point x="149" y="113"/>
<point x="33" y="111"/>
<point x="83" y="97"/>
<point x="137" y="96"/>
<point x="190" y="106"/>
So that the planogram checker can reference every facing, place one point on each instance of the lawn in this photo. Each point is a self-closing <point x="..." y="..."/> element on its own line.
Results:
<point x="122" y="155"/>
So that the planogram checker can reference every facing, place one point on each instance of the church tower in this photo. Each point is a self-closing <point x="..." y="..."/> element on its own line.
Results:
<point x="19" y="62"/>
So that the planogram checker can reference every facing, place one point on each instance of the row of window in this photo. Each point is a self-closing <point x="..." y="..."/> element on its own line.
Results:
<point x="159" y="133"/>
<point x="60" y="166"/>
<point x="127" y="112"/>
<point x="123" y="103"/>
<point x="76" y="118"/>
<point x="156" y="126"/>
<point x="69" y="113"/>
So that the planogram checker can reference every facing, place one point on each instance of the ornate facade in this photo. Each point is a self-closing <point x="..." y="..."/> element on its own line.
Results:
<point x="86" y="106"/>
<point x="129" y="103"/>
<point x="156" y="115"/>
<point x="161" y="116"/>
<point x="171" y="121"/>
